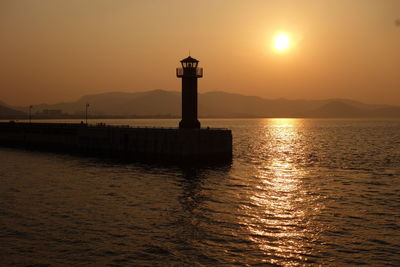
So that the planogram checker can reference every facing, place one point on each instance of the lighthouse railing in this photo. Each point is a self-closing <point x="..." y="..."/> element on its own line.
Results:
<point x="197" y="72"/>
<point x="179" y="72"/>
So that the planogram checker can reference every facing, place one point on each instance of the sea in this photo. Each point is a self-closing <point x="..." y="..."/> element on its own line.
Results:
<point x="298" y="192"/>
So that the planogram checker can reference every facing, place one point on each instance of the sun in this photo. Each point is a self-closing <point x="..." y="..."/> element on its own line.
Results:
<point x="282" y="42"/>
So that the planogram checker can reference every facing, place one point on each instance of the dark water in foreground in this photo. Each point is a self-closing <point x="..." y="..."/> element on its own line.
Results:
<point x="299" y="192"/>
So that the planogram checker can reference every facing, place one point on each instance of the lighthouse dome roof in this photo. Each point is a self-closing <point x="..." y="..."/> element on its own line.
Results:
<point x="189" y="59"/>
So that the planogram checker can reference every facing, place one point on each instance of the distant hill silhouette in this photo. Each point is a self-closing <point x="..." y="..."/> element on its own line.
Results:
<point x="6" y="112"/>
<point x="337" y="109"/>
<point x="218" y="104"/>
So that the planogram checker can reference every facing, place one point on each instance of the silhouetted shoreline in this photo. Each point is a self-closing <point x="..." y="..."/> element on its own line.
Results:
<point x="166" y="104"/>
<point x="37" y="118"/>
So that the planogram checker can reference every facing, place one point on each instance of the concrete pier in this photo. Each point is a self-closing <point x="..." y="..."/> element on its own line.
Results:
<point x="148" y="144"/>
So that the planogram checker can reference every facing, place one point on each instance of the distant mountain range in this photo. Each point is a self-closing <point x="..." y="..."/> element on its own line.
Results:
<point x="161" y="103"/>
<point x="9" y="113"/>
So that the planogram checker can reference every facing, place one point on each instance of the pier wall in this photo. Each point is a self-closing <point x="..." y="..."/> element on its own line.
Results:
<point x="165" y="144"/>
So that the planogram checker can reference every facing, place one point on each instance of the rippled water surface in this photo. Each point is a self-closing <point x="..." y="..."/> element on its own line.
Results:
<point x="299" y="192"/>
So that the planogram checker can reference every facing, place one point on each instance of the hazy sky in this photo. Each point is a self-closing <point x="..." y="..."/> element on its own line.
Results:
<point x="54" y="50"/>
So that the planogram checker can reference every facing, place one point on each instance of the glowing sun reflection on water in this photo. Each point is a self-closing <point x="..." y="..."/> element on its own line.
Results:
<point x="279" y="221"/>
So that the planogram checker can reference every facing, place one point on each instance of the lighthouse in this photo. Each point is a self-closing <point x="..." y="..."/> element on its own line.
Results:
<point x="189" y="72"/>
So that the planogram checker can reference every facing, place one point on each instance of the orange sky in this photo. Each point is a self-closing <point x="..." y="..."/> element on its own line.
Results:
<point x="54" y="50"/>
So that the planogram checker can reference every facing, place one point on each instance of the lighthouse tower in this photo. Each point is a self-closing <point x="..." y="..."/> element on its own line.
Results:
<point x="189" y="72"/>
